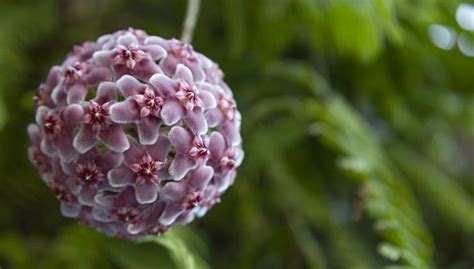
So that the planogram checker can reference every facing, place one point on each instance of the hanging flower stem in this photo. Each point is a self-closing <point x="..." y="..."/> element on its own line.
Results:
<point x="192" y="13"/>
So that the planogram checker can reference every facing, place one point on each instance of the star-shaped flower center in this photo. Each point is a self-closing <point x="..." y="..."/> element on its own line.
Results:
<point x="158" y="229"/>
<point x="188" y="95"/>
<point x="125" y="214"/>
<point x="52" y="123"/>
<point x="147" y="169"/>
<point x="42" y="95"/>
<point x="89" y="174"/>
<point x="215" y="200"/>
<point x="97" y="114"/>
<point x="62" y="193"/>
<point x="40" y="160"/>
<point x="192" y="200"/>
<point x="229" y="160"/>
<point x="149" y="103"/>
<point x="227" y="106"/>
<point x="74" y="72"/>
<point x="183" y="51"/>
<point x="199" y="148"/>
<point x="129" y="56"/>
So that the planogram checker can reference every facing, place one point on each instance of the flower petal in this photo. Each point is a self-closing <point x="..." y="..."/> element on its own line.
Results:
<point x="201" y="177"/>
<point x="180" y="166"/>
<point x="127" y="39"/>
<point x="230" y="130"/>
<point x="101" y="215"/>
<point x="163" y="84"/>
<point x="171" y="212"/>
<point x="76" y="93"/>
<point x="196" y="122"/>
<point x="86" y="196"/>
<point x="58" y="95"/>
<point x="169" y="63"/>
<point x="161" y="148"/>
<point x="114" y="138"/>
<point x="196" y="69"/>
<point x="124" y="112"/>
<point x="171" y="112"/>
<point x="106" y="92"/>
<point x="121" y="176"/>
<point x="180" y="139"/>
<point x="65" y="148"/>
<point x="146" y="68"/>
<point x="129" y="85"/>
<point x="185" y="218"/>
<point x="48" y="148"/>
<point x="34" y="134"/>
<point x="182" y="72"/>
<point x="135" y="152"/>
<point x="173" y="191"/>
<point x="85" y="139"/>
<point x="104" y="57"/>
<point x="156" y="51"/>
<point x="72" y="116"/>
<point x="98" y="75"/>
<point x="223" y="181"/>
<point x="109" y="160"/>
<point x="208" y="99"/>
<point x="54" y="76"/>
<point x="146" y="193"/>
<point x="70" y="210"/>
<point x="148" y="130"/>
<point x="217" y="145"/>
<point x="214" y="117"/>
<point x="156" y="40"/>
<point x="40" y="112"/>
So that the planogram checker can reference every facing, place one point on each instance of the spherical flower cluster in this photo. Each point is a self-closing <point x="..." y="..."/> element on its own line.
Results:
<point x="136" y="134"/>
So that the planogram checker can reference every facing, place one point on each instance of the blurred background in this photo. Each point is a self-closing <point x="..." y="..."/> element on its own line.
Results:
<point x="358" y="127"/>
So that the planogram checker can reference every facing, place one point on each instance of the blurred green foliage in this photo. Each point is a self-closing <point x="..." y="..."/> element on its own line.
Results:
<point x="358" y="131"/>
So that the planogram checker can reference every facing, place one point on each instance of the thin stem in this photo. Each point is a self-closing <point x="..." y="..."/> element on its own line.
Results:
<point x="192" y="13"/>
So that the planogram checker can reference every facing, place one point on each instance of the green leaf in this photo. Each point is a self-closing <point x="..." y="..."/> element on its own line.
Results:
<point x="389" y="200"/>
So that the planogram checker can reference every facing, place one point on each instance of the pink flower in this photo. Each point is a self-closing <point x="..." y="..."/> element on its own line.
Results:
<point x="190" y="151"/>
<point x="183" y="99"/>
<point x="144" y="167"/>
<point x="178" y="53"/>
<point x="97" y="124"/>
<point x="127" y="55"/>
<point x="135" y="134"/>
<point x="143" y="107"/>
<point x="184" y="197"/>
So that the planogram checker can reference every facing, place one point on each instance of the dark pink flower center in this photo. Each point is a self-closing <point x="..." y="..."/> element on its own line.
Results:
<point x="97" y="114"/>
<point x="228" y="107"/>
<point x="129" y="56"/>
<point x="215" y="200"/>
<point x="62" y="193"/>
<point x="52" y="123"/>
<point x="42" y="96"/>
<point x="188" y="95"/>
<point x="229" y="160"/>
<point x="199" y="148"/>
<point x="147" y="169"/>
<point x="149" y="103"/>
<point x="157" y="230"/>
<point x="40" y="160"/>
<point x="192" y="200"/>
<point x="73" y="73"/>
<point x="89" y="174"/>
<point x="183" y="51"/>
<point x="140" y="34"/>
<point x="125" y="214"/>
